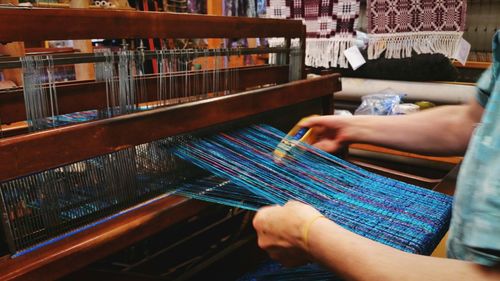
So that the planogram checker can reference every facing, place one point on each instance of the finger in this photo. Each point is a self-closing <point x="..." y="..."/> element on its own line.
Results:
<point x="327" y="145"/>
<point x="260" y="218"/>
<point x="291" y="203"/>
<point x="319" y="131"/>
<point x="294" y="203"/>
<point x="314" y="121"/>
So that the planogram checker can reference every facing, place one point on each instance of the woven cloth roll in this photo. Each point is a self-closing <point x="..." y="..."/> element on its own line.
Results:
<point x="398" y="27"/>
<point x="330" y="26"/>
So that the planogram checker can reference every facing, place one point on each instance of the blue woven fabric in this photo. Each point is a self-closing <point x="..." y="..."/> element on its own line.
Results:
<point x="391" y="212"/>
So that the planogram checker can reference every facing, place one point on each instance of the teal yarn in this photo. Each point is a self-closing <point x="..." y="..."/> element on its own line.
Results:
<point x="391" y="212"/>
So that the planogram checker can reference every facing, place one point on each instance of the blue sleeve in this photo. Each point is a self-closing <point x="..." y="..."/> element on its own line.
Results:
<point x="486" y="83"/>
<point x="484" y="86"/>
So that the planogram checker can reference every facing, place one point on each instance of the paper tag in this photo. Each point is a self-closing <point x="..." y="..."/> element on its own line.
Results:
<point x="354" y="57"/>
<point x="462" y="52"/>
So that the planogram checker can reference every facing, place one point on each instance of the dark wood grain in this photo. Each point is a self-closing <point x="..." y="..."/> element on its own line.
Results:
<point x="58" y="24"/>
<point x="26" y="154"/>
<point x="75" y="252"/>
<point x="74" y="97"/>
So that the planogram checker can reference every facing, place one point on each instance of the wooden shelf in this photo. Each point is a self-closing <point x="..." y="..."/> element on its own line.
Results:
<point x="48" y="51"/>
<point x="473" y="64"/>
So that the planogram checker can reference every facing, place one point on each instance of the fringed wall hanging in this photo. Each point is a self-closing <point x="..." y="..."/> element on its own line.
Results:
<point x="398" y="27"/>
<point x="330" y="26"/>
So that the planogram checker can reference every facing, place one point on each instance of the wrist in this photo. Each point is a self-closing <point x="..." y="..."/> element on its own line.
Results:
<point x="360" y="129"/>
<point x="305" y="235"/>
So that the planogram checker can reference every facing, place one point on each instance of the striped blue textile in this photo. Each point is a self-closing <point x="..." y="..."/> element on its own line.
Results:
<point x="391" y="212"/>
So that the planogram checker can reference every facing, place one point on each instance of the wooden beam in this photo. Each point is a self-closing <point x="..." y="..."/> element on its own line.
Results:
<point x="45" y="24"/>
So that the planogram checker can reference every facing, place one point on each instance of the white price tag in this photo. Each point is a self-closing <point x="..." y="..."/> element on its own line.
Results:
<point x="354" y="57"/>
<point x="462" y="52"/>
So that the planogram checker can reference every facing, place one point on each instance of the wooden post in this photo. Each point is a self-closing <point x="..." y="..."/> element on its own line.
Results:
<point x="83" y="71"/>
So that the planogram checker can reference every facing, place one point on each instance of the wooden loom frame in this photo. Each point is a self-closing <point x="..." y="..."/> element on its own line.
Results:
<point x="29" y="153"/>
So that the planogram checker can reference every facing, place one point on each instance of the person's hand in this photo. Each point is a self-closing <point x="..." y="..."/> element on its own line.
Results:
<point x="280" y="231"/>
<point x="331" y="132"/>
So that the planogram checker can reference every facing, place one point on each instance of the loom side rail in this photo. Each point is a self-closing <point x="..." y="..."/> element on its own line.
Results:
<point x="50" y="24"/>
<point x="79" y="250"/>
<point x="27" y="154"/>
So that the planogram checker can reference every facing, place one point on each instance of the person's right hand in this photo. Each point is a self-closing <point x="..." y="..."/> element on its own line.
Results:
<point x="331" y="132"/>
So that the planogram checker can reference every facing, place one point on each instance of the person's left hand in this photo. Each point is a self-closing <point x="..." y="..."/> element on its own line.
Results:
<point x="280" y="231"/>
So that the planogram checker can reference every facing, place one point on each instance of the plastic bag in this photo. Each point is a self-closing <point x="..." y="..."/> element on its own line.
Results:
<point x="342" y="112"/>
<point x="381" y="103"/>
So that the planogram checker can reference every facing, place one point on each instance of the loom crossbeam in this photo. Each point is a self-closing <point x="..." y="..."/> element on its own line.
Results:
<point x="45" y="24"/>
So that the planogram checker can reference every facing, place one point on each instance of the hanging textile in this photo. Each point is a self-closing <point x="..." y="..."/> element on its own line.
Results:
<point x="330" y="26"/>
<point x="240" y="8"/>
<point x="391" y="212"/>
<point x="399" y="27"/>
<point x="197" y="6"/>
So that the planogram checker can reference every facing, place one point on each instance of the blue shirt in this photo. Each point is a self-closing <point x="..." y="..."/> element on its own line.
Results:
<point x="475" y="223"/>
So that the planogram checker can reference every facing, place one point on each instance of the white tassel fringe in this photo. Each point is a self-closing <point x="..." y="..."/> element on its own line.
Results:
<point x="322" y="52"/>
<point x="401" y="45"/>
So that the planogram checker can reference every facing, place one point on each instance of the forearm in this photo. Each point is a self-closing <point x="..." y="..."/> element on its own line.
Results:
<point x="441" y="131"/>
<point x="357" y="258"/>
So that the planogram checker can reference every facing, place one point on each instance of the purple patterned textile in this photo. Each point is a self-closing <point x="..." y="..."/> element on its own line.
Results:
<point x="424" y="26"/>
<point x="330" y="26"/>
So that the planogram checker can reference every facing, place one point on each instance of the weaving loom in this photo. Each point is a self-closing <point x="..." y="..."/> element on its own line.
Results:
<point x="81" y="159"/>
<point x="93" y="167"/>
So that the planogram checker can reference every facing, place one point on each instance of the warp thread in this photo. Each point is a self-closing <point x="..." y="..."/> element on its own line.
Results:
<point x="391" y="212"/>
